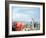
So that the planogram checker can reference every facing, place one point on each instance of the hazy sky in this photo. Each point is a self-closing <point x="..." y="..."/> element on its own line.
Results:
<point x="25" y="13"/>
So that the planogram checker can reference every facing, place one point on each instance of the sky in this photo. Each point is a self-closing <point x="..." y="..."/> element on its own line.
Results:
<point x="25" y="13"/>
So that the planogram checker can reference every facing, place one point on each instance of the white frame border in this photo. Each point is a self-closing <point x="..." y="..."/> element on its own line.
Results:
<point x="25" y="32"/>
